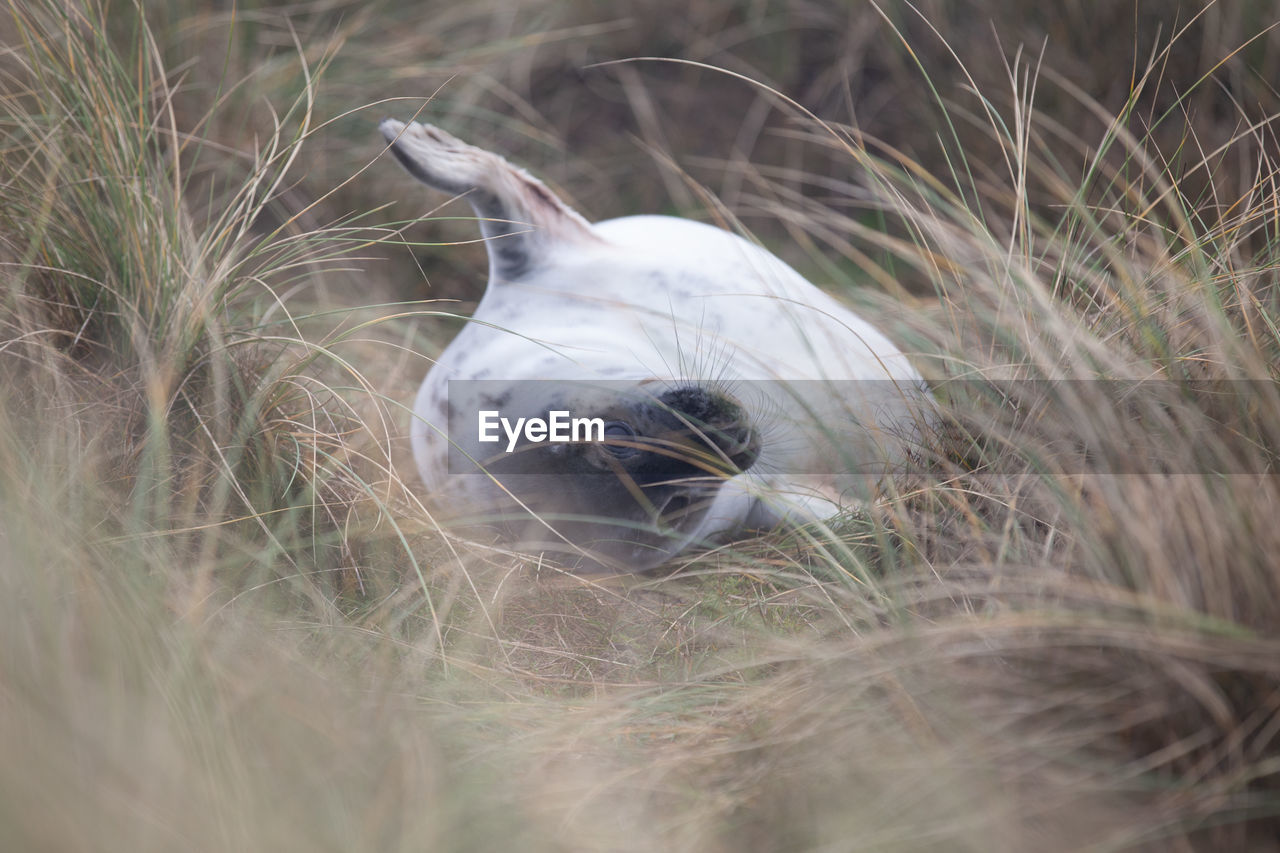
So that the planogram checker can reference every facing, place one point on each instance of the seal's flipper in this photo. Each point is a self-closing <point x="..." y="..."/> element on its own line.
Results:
<point x="520" y="218"/>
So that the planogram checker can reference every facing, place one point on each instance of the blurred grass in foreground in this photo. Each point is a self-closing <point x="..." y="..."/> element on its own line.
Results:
<point x="226" y="622"/>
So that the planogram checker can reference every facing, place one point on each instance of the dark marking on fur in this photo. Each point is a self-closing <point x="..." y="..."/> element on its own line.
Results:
<point x="544" y="196"/>
<point x="496" y="401"/>
<point x="510" y="257"/>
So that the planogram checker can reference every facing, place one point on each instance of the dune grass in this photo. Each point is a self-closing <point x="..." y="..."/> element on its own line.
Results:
<point x="227" y="621"/>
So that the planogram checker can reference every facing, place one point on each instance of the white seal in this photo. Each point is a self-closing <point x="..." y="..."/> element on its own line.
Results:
<point x="731" y="392"/>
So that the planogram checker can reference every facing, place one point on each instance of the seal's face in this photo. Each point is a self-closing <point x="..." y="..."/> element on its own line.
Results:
<point x="626" y="495"/>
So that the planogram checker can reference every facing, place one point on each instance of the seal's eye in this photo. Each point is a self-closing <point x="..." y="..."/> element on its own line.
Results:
<point x="619" y="439"/>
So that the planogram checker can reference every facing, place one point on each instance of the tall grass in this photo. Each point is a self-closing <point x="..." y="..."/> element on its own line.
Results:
<point x="227" y="623"/>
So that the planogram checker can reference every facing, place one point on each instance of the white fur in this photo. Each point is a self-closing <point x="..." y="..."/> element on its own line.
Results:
<point x="660" y="297"/>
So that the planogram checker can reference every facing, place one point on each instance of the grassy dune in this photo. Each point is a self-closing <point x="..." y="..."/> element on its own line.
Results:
<point x="227" y="622"/>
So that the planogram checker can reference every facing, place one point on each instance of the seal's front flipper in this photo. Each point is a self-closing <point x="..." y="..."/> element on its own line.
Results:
<point x="522" y="221"/>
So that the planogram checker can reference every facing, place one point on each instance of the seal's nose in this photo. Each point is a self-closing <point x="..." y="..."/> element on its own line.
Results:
<point x="719" y="424"/>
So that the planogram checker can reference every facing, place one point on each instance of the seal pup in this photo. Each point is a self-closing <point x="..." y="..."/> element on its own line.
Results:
<point x="728" y="393"/>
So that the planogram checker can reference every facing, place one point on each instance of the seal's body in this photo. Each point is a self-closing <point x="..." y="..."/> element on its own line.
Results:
<point x="735" y="393"/>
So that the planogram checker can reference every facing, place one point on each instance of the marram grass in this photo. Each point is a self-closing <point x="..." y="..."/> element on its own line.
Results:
<point x="226" y="622"/>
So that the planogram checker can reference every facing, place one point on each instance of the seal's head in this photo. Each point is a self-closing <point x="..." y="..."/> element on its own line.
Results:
<point x="627" y="490"/>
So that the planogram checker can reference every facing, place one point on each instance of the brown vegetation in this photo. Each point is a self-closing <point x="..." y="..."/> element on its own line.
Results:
<point x="226" y="621"/>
